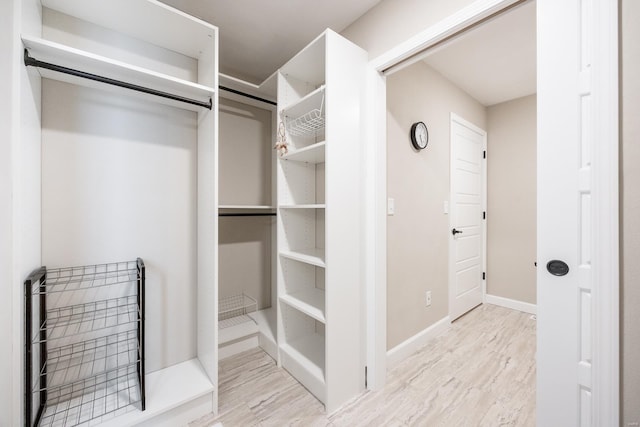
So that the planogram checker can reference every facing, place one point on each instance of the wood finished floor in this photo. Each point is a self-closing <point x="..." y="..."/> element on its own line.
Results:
<point x="481" y="372"/>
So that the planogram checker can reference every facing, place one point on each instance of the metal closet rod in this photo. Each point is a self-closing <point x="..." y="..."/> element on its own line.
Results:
<point x="247" y="95"/>
<point x="248" y="214"/>
<point x="30" y="61"/>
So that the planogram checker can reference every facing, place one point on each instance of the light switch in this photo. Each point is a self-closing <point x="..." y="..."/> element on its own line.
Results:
<point x="445" y="208"/>
<point x="391" y="206"/>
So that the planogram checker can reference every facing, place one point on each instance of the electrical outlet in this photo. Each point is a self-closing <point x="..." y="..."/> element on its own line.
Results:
<point x="427" y="298"/>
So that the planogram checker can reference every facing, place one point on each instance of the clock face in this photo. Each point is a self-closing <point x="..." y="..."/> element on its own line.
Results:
<point x="419" y="135"/>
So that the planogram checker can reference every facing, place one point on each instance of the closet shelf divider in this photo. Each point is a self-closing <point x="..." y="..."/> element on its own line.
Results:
<point x="310" y="302"/>
<point x="313" y="154"/>
<point x="313" y="256"/>
<point x="304" y="206"/>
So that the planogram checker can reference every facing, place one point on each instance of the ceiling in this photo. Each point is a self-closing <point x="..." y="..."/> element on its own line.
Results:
<point x="495" y="62"/>
<point x="258" y="36"/>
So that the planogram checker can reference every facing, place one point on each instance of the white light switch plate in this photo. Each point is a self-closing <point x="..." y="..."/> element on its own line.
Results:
<point x="391" y="206"/>
<point x="445" y="207"/>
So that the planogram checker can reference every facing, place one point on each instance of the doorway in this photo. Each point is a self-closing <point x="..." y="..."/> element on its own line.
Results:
<point x="564" y="77"/>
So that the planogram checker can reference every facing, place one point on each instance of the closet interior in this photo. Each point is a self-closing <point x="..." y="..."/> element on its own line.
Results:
<point x="144" y="150"/>
<point x="246" y="220"/>
<point x="117" y="153"/>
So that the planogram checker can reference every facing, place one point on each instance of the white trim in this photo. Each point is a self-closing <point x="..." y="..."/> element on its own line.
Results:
<point x="525" y="307"/>
<point x="605" y="227"/>
<point x="405" y="349"/>
<point x="401" y="55"/>
<point x="375" y="255"/>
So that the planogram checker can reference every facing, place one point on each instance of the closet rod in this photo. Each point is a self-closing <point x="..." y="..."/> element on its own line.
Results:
<point x="30" y="61"/>
<point x="248" y="214"/>
<point x="247" y="95"/>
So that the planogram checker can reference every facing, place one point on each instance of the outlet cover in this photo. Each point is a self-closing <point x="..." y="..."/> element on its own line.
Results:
<point x="427" y="297"/>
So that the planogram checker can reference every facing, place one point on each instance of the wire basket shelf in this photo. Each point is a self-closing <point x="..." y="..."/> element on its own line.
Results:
<point x="311" y="120"/>
<point x="84" y="334"/>
<point x="306" y="125"/>
<point x="234" y="310"/>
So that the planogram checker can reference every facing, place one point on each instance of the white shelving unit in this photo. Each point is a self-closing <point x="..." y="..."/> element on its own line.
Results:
<point x="184" y="391"/>
<point x="319" y="279"/>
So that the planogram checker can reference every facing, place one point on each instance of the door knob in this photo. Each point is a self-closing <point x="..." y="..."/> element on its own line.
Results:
<point x="557" y="267"/>
<point x="454" y="231"/>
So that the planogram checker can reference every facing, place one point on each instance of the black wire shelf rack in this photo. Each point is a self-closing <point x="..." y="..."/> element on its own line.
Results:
<point x="84" y="343"/>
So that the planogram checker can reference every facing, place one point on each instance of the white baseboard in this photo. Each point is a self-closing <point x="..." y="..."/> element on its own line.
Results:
<point x="405" y="349"/>
<point x="511" y="303"/>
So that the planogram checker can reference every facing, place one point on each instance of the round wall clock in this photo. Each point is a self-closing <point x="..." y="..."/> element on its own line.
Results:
<point x="419" y="135"/>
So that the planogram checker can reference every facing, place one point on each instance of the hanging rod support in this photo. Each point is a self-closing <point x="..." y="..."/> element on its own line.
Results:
<point x="30" y="61"/>
<point x="247" y="95"/>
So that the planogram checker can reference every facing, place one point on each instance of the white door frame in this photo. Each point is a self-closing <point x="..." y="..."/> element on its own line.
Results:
<point x="483" y="176"/>
<point x="604" y="34"/>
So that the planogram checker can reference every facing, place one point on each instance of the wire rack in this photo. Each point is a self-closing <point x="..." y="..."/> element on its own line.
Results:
<point x="233" y="310"/>
<point x="307" y="124"/>
<point x="84" y="361"/>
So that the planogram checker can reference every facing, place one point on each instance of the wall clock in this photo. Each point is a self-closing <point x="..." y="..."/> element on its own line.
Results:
<point x="419" y="135"/>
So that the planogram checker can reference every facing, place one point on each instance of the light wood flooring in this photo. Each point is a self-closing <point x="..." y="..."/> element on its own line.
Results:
<point x="481" y="372"/>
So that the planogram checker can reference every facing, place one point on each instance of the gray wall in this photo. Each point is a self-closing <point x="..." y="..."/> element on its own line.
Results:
<point x="511" y="199"/>
<point x="418" y="233"/>
<point x="630" y="211"/>
<point x="245" y="179"/>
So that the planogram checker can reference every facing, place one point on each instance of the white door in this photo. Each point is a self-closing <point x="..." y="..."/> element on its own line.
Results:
<point x="466" y="232"/>
<point x="565" y="213"/>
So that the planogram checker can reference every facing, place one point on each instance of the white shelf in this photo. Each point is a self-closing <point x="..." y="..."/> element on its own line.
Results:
<point x="59" y="54"/>
<point x="313" y="256"/>
<point x="309" y="302"/>
<point x="249" y="207"/>
<point x="167" y="389"/>
<point x="189" y="35"/>
<point x="308" y="354"/>
<point x="307" y="206"/>
<point x="311" y="154"/>
<point x="309" y="102"/>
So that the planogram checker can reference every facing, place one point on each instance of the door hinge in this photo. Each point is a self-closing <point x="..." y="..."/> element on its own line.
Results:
<point x="484" y="215"/>
<point x="484" y="154"/>
<point x="484" y="276"/>
<point x="365" y="377"/>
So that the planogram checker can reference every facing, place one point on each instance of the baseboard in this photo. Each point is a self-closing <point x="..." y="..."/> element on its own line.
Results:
<point x="405" y="349"/>
<point x="511" y="303"/>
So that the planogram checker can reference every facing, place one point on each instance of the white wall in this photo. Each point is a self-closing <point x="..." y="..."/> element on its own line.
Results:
<point x="418" y="233"/>
<point x="391" y="22"/>
<point x="630" y="208"/>
<point x="119" y="181"/>
<point x="511" y="199"/>
<point x="7" y="112"/>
